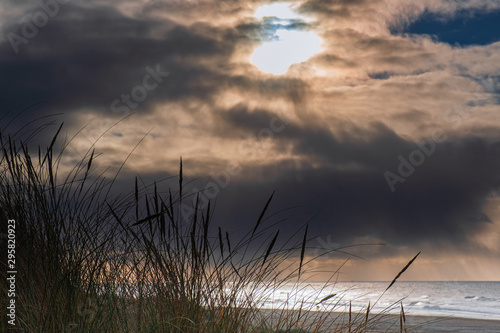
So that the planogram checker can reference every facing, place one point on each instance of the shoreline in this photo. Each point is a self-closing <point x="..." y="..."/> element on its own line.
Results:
<point x="416" y="323"/>
<point x="390" y="322"/>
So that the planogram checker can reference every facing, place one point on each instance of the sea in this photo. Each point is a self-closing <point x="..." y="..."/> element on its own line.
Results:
<point x="474" y="300"/>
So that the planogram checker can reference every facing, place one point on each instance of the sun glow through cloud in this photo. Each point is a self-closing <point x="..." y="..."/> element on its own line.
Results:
<point x="288" y="46"/>
<point x="291" y="47"/>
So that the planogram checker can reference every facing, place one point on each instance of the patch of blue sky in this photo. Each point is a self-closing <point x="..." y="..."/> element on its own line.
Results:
<point x="463" y="29"/>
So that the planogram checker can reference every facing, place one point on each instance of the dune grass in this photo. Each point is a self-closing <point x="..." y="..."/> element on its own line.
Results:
<point x="146" y="261"/>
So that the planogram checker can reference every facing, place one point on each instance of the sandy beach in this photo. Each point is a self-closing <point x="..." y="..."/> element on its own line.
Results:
<point x="459" y="325"/>
<point x="391" y="323"/>
<point x="421" y="324"/>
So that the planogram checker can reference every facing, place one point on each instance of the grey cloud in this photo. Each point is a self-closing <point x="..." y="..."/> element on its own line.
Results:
<point x="338" y="8"/>
<point x="440" y="204"/>
<point x="88" y="57"/>
<point x="351" y="144"/>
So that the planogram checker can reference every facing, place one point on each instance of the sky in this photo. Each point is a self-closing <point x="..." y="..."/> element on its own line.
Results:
<point x="376" y="121"/>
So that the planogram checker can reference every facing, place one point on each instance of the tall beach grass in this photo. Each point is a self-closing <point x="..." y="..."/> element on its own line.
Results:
<point x="151" y="260"/>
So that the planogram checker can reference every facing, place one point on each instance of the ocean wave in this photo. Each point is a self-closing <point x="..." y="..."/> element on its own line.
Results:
<point x="488" y="299"/>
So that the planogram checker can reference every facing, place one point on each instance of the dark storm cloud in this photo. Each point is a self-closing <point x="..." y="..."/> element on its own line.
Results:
<point x="441" y="202"/>
<point x="88" y="57"/>
<point x="242" y="118"/>
<point x="350" y="144"/>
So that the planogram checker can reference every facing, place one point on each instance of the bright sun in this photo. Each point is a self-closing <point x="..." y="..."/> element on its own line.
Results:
<point x="288" y="46"/>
